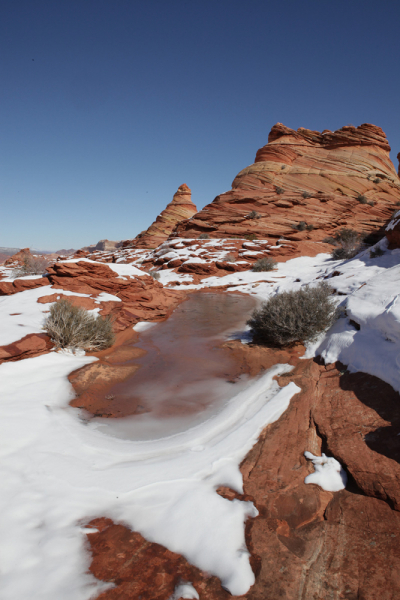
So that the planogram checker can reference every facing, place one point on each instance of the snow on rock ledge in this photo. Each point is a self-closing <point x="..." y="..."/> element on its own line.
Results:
<point x="329" y="473"/>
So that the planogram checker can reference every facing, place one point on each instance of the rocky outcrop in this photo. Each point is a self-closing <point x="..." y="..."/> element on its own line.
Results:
<point x="31" y="345"/>
<point x="179" y="209"/>
<point x="306" y="542"/>
<point x="102" y="246"/>
<point x="138" y="298"/>
<point x="393" y="231"/>
<point x="304" y="185"/>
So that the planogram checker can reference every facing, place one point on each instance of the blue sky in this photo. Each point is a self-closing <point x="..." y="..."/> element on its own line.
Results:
<point x="107" y="106"/>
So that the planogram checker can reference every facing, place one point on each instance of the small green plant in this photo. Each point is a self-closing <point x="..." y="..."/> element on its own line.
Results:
<point x="253" y="215"/>
<point x="279" y="190"/>
<point x="250" y="236"/>
<point x="204" y="236"/>
<point x="376" y="253"/>
<point x="348" y="243"/>
<point x="71" y="326"/>
<point x="264" y="264"/>
<point x="295" y="316"/>
<point x="362" y="199"/>
<point x="330" y="240"/>
<point x="306" y="195"/>
<point x="300" y="226"/>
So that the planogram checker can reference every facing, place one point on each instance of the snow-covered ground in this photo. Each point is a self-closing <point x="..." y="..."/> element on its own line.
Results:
<point x="58" y="472"/>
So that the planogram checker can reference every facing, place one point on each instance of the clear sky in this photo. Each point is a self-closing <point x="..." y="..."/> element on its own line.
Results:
<point x="107" y="106"/>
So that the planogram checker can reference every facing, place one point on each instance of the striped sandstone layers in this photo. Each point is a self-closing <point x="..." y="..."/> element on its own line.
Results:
<point x="327" y="180"/>
<point x="180" y="208"/>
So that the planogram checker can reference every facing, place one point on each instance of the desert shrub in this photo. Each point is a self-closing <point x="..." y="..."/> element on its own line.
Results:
<point x="362" y="199"/>
<point x="32" y="265"/>
<point x="329" y="240"/>
<point x="154" y="274"/>
<point x="306" y="195"/>
<point x="250" y="236"/>
<point x="310" y="227"/>
<point x="397" y="203"/>
<point x="264" y="264"/>
<point x="230" y="258"/>
<point x="204" y="236"/>
<point x="71" y="326"/>
<point x="348" y="243"/>
<point x="279" y="190"/>
<point x="376" y="253"/>
<point x="300" y="226"/>
<point x="253" y="215"/>
<point x="295" y="316"/>
<point x="377" y="180"/>
<point x="371" y="202"/>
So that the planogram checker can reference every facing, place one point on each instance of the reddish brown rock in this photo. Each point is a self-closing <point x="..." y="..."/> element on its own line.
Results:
<point x="31" y="345"/>
<point x="306" y="543"/>
<point x="20" y="285"/>
<point x="142" y="298"/>
<point x="393" y="232"/>
<point x="306" y="176"/>
<point x="179" y="209"/>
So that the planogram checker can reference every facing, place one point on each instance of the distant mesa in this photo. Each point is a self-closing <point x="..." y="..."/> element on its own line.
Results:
<point x="178" y="211"/>
<point x="305" y="185"/>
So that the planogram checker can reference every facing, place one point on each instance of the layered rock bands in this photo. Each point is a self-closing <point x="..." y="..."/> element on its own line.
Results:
<point x="325" y="180"/>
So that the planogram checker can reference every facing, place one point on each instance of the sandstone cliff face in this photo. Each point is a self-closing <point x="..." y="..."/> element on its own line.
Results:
<point x="327" y="180"/>
<point x="179" y="209"/>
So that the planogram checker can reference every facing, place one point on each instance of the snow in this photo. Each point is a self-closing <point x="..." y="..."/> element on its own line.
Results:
<point x="184" y="590"/>
<point x="64" y="472"/>
<point x="329" y="473"/>
<point x="59" y="471"/>
<point x="143" y="325"/>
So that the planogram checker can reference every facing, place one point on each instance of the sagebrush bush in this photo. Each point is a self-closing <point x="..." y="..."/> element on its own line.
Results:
<point x="300" y="226"/>
<point x="296" y="316"/>
<point x="250" y="237"/>
<point x="279" y="190"/>
<point x="71" y="326"/>
<point x="362" y="199"/>
<point x="253" y="215"/>
<point x="31" y="265"/>
<point x="306" y="195"/>
<point x="376" y="253"/>
<point x="204" y="236"/>
<point x="348" y="242"/>
<point x="264" y="264"/>
<point x="230" y="258"/>
<point x="155" y="274"/>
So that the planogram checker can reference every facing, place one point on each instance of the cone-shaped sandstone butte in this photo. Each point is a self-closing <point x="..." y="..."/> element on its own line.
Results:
<point x="179" y="209"/>
<point x="328" y="180"/>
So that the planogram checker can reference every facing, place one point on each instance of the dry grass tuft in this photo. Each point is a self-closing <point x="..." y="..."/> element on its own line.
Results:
<point x="296" y="316"/>
<point x="71" y="326"/>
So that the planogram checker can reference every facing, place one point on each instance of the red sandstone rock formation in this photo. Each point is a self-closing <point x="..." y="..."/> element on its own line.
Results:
<point x="179" y="209"/>
<point x="327" y="180"/>
<point x="306" y="542"/>
<point x="141" y="298"/>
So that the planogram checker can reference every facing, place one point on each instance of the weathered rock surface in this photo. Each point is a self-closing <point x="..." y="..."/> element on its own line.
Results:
<point x="179" y="209"/>
<point x="31" y="345"/>
<point x="393" y="232"/>
<point x="140" y="299"/>
<point x="306" y="543"/>
<point x="328" y="180"/>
